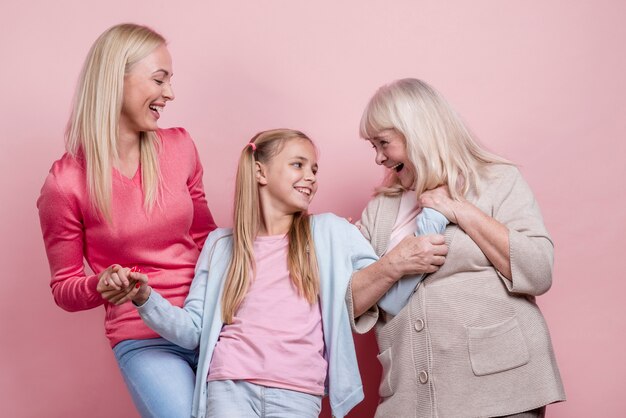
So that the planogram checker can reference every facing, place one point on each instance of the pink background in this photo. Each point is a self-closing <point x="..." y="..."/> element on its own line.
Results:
<point x="542" y="83"/>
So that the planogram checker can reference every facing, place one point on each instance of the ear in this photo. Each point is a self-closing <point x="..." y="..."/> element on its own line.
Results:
<point x="260" y="173"/>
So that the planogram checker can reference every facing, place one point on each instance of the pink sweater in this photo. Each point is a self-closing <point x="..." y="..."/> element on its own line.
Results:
<point x="164" y="244"/>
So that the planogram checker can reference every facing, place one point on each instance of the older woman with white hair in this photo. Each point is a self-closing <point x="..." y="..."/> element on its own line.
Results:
<point x="469" y="340"/>
<point x="128" y="196"/>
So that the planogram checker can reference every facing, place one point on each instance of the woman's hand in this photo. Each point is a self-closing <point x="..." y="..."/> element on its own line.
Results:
<point x="491" y="236"/>
<point x="118" y="285"/>
<point x="440" y="200"/>
<point x="416" y="255"/>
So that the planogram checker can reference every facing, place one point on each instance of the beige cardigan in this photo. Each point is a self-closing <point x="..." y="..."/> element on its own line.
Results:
<point x="470" y="343"/>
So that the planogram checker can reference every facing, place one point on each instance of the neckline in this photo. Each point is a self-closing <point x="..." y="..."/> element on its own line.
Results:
<point x="135" y="179"/>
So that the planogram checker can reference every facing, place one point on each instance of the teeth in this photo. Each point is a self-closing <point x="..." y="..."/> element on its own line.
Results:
<point x="396" y="167"/>
<point x="304" y="190"/>
<point x="157" y="108"/>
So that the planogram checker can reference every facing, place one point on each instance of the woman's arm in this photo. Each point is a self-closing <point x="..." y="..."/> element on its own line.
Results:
<point x="514" y="239"/>
<point x="63" y="236"/>
<point x="491" y="236"/>
<point x="203" y="223"/>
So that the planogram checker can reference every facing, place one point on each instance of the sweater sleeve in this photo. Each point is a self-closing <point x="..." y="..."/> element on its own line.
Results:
<point x="531" y="250"/>
<point x="63" y="235"/>
<point x="203" y="222"/>
<point x="182" y="326"/>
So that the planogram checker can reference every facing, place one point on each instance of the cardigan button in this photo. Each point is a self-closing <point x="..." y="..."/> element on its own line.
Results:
<point x="419" y="325"/>
<point x="423" y="377"/>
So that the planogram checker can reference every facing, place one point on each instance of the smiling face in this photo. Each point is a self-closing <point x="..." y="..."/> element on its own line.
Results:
<point x="287" y="182"/>
<point x="147" y="88"/>
<point x="390" y="148"/>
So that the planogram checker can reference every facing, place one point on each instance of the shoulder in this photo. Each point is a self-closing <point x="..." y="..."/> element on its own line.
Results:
<point x="219" y="240"/>
<point x="176" y="138"/>
<point x="64" y="190"/>
<point x="501" y="173"/>
<point x="328" y="221"/>
<point x="174" y="134"/>
<point x="66" y="176"/>
<point x="329" y="226"/>
<point x="219" y="236"/>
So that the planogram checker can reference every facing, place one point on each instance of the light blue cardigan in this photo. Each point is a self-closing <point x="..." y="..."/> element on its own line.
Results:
<point x="341" y="250"/>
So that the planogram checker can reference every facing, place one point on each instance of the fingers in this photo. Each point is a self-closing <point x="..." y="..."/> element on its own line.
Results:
<point x="435" y="239"/>
<point x="138" y="277"/>
<point x="128" y="295"/>
<point x="123" y="296"/>
<point x="438" y="260"/>
<point x="122" y="275"/>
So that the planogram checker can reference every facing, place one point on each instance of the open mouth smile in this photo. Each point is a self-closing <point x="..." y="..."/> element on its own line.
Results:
<point x="304" y="190"/>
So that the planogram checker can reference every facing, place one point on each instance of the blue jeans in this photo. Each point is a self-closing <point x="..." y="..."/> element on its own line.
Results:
<point x="241" y="399"/>
<point x="160" y="376"/>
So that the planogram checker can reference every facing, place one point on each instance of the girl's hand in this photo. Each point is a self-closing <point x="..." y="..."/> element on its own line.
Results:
<point x="118" y="284"/>
<point x="143" y="291"/>
<point x="440" y="200"/>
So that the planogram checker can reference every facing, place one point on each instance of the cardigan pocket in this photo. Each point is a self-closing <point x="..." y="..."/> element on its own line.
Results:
<point x="497" y="348"/>
<point x="385" y="358"/>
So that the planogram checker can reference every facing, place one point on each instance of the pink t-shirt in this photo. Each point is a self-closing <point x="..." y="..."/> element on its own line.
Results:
<point x="276" y="336"/>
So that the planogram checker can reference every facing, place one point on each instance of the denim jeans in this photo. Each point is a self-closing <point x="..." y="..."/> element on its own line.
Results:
<point x="241" y="399"/>
<point x="160" y="376"/>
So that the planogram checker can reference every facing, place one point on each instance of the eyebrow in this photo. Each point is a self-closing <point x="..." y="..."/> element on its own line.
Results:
<point x="165" y="72"/>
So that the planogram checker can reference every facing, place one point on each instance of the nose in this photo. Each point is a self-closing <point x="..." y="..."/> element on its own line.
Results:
<point x="168" y="91"/>
<point x="380" y="157"/>
<point x="310" y="176"/>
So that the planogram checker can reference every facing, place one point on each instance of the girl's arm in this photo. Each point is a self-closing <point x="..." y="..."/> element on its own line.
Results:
<point x="429" y="221"/>
<point x="182" y="326"/>
<point x="413" y="255"/>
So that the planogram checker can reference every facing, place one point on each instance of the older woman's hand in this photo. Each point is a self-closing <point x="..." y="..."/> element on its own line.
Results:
<point x="440" y="200"/>
<point x="491" y="236"/>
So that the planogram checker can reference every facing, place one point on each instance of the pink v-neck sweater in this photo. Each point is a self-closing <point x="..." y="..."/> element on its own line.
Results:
<point x="164" y="243"/>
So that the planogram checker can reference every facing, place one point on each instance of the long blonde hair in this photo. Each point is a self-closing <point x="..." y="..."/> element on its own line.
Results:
<point x="440" y="146"/>
<point x="301" y="260"/>
<point x="93" y="127"/>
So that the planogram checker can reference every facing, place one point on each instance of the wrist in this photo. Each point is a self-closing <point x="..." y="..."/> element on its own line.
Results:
<point x="390" y="270"/>
<point x="142" y="296"/>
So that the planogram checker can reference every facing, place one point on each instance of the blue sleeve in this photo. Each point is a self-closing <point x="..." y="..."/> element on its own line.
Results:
<point x="182" y="326"/>
<point x="429" y="221"/>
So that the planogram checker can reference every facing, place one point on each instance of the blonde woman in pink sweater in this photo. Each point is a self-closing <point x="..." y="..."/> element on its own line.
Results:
<point x="126" y="196"/>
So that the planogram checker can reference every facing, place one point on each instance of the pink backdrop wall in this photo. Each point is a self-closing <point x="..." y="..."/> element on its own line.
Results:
<point x="541" y="83"/>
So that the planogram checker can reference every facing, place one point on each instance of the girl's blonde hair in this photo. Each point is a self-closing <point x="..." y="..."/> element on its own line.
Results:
<point x="441" y="148"/>
<point x="301" y="260"/>
<point x="93" y="127"/>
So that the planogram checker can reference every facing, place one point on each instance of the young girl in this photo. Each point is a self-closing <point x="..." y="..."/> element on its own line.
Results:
<point x="267" y="305"/>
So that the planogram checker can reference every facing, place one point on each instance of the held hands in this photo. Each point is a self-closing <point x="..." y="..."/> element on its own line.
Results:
<point x="118" y="285"/>
<point x="417" y="255"/>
